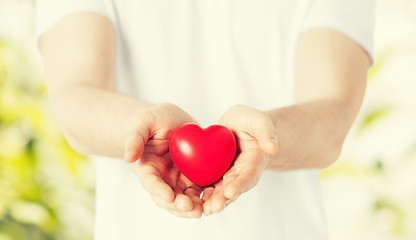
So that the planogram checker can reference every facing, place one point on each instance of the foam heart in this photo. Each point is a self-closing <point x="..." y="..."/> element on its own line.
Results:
<point x="202" y="155"/>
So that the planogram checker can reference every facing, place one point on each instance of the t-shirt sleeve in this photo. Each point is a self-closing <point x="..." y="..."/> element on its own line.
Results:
<point x="354" y="18"/>
<point x="49" y="12"/>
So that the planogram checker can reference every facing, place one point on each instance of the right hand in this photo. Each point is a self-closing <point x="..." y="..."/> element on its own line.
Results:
<point x="147" y="147"/>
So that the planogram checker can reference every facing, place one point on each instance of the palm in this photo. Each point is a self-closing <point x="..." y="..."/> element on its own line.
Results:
<point x="250" y="162"/>
<point x="168" y="187"/>
<point x="248" y="167"/>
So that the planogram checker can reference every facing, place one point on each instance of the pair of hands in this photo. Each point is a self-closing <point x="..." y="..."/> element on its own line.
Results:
<point x="148" y="149"/>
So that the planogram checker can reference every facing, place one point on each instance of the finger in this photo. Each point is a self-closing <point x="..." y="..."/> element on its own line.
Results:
<point x="197" y="202"/>
<point x="176" y="205"/>
<point x="240" y="185"/>
<point x="207" y="194"/>
<point x="219" y="200"/>
<point x="133" y="147"/>
<point x="157" y="146"/>
<point x="186" y="198"/>
<point x="216" y="202"/>
<point x="171" y="177"/>
<point x="153" y="183"/>
<point x="182" y="203"/>
<point x="229" y="201"/>
<point x="190" y="189"/>
<point x="192" y="201"/>
<point x="179" y="187"/>
<point x="193" y="194"/>
<point x="180" y="214"/>
<point x="187" y="214"/>
<point x="215" y="198"/>
<point x="170" y="207"/>
<point x="266" y="141"/>
<point x="230" y="175"/>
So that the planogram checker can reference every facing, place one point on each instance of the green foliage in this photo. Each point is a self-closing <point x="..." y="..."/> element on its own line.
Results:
<point x="374" y="115"/>
<point x="390" y="215"/>
<point x="31" y="147"/>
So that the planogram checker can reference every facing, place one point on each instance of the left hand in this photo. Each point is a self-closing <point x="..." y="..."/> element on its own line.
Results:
<point x="256" y="142"/>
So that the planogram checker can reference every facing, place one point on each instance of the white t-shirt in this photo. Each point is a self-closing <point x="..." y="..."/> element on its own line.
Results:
<point x="205" y="56"/>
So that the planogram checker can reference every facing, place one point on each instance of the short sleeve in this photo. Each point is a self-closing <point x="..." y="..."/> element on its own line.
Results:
<point x="354" y="18"/>
<point x="49" y="12"/>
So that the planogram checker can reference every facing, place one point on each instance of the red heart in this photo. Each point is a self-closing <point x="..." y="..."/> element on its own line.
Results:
<point x="202" y="155"/>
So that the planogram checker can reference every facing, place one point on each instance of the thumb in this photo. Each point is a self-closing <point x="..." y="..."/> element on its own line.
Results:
<point x="267" y="141"/>
<point x="133" y="147"/>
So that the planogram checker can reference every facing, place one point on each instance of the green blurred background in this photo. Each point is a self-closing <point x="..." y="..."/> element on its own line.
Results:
<point x="47" y="189"/>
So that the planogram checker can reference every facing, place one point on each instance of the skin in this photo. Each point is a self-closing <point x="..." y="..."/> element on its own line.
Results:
<point x="332" y="72"/>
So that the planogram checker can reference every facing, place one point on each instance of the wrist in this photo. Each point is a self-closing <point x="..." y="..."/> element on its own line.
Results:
<point x="168" y="115"/>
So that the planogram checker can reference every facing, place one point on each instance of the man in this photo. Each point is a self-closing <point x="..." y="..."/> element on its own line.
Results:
<point x="287" y="77"/>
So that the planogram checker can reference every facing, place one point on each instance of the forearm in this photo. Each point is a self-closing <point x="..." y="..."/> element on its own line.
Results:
<point x="331" y="80"/>
<point x="311" y="134"/>
<point x="97" y="121"/>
